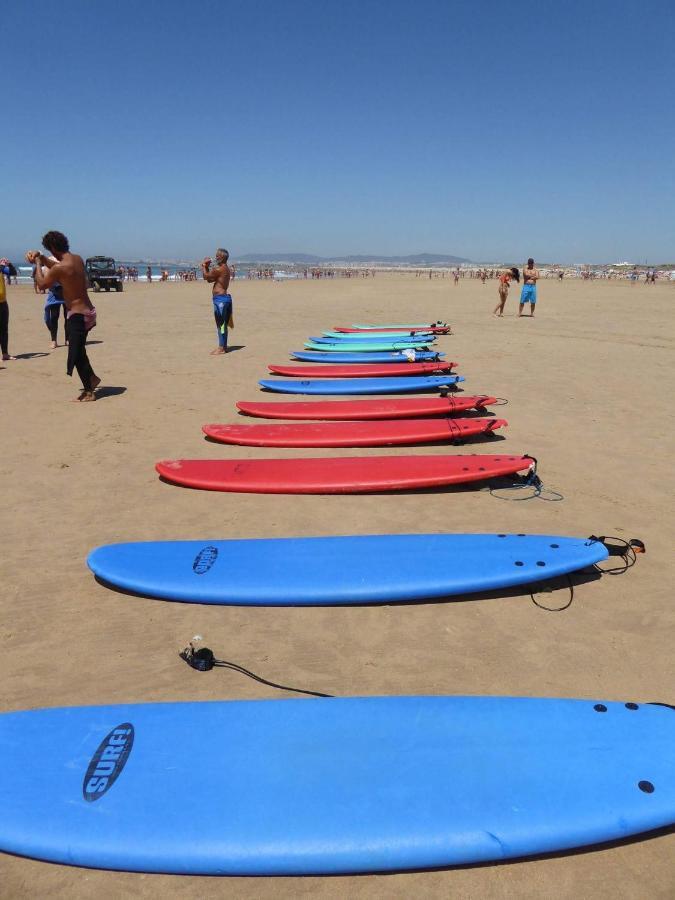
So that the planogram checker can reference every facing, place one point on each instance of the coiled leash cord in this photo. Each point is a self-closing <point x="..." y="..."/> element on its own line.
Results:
<point x="532" y="481"/>
<point x="627" y="550"/>
<point x="203" y="660"/>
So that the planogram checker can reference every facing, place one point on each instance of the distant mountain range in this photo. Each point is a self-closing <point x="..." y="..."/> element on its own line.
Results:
<point x="308" y="259"/>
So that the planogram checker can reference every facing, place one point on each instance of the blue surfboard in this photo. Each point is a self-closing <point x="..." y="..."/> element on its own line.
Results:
<point x="365" y="341"/>
<point x="321" y="571"/>
<point x="384" y="357"/>
<point x="402" y="385"/>
<point x="327" y="786"/>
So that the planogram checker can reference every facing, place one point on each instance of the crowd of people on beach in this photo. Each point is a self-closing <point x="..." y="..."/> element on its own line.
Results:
<point x="61" y="276"/>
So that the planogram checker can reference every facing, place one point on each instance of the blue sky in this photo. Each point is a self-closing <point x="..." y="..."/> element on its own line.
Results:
<point x="493" y="131"/>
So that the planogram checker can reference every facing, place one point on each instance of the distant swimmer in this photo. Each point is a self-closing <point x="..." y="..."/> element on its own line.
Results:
<point x="67" y="269"/>
<point x="503" y="286"/>
<point x="528" y="293"/>
<point x="219" y="276"/>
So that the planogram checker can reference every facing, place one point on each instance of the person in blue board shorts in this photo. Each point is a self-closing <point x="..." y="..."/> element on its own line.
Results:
<point x="528" y="293"/>
<point x="219" y="276"/>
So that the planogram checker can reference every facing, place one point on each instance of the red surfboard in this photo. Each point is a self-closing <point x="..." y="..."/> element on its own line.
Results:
<point x="390" y="432"/>
<point x="337" y="475"/>
<point x="431" y="330"/>
<point x="400" y="408"/>
<point x="366" y="371"/>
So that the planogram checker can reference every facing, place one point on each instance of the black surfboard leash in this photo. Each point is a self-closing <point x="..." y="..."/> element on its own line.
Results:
<point x="628" y="550"/>
<point x="203" y="660"/>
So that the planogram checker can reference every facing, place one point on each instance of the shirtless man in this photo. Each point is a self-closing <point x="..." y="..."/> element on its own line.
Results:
<point x="529" y="292"/>
<point x="219" y="276"/>
<point x="67" y="269"/>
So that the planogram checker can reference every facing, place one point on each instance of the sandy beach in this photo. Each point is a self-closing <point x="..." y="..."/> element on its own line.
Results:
<point x="589" y="383"/>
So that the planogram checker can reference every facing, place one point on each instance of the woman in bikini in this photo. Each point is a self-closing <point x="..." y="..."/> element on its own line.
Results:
<point x="504" y="283"/>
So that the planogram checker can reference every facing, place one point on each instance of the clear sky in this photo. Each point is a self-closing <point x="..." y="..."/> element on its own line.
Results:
<point x="490" y="130"/>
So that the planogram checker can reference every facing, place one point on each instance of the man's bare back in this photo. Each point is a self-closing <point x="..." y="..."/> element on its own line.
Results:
<point x="70" y="273"/>
<point x="219" y="276"/>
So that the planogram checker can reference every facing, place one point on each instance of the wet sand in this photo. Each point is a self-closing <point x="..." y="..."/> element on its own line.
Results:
<point x="589" y="383"/>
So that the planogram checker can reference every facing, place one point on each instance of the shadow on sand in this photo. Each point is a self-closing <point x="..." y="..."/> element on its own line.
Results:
<point x="556" y="588"/>
<point x="109" y="390"/>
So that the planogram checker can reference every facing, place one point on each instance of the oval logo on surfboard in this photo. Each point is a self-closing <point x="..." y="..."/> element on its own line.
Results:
<point x="107" y="763"/>
<point x="204" y="560"/>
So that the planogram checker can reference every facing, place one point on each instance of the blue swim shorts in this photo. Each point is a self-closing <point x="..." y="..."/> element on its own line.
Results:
<point x="529" y="294"/>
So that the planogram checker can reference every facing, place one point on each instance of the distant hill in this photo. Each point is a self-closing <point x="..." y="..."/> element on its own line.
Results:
<point x="417" y="259"/>
<point x="297" y="259"/>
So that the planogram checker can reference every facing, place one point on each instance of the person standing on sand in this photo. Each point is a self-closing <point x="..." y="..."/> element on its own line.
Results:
<point x="219" y="276"/>
<point x="503" y="289"/>
<point x="529" y="292"/>
<point x="67" y="269"/>
<point x="4" y="315"/>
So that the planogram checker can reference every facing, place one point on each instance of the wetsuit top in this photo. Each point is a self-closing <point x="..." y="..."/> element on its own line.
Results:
<point x="54" y="295"/>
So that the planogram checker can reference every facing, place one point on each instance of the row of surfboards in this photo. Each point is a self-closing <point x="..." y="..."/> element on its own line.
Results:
<point x="378" y="423"/>
<point x="325" y="786"/>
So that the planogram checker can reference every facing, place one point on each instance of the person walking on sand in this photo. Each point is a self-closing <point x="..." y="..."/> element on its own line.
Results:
<point x="67" y="269"/>
<point x="53" y="306"/>
<point x="219" y="276"/>
<point x="503" y="289"/>
<point x="528" y="293"/>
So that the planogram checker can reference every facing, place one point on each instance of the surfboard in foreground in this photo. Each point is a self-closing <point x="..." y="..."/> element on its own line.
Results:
<point x="338" y="474"/>
<point x="391" y="357"/>
<point x="324" y="571"/>
<point x="339" y="410"/>
<point x="328" y="786"/>
<point x="378" y="370"/>
<point x="401" y="385"/>
<point x="386" y="433"/>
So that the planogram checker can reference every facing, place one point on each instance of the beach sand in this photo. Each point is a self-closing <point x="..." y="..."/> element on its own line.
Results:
<point x="589" y="383"/>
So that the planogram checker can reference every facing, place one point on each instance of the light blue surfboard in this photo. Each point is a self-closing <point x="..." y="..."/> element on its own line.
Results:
<point x="385" y="357"/>
<point x="327" y="786"/>
<point x="404" y="384"/>
<point x="321" y="571"/>
<point x="335" y="337"/>
<point x="403" y="342"/>
<point x="365" y="346"/>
